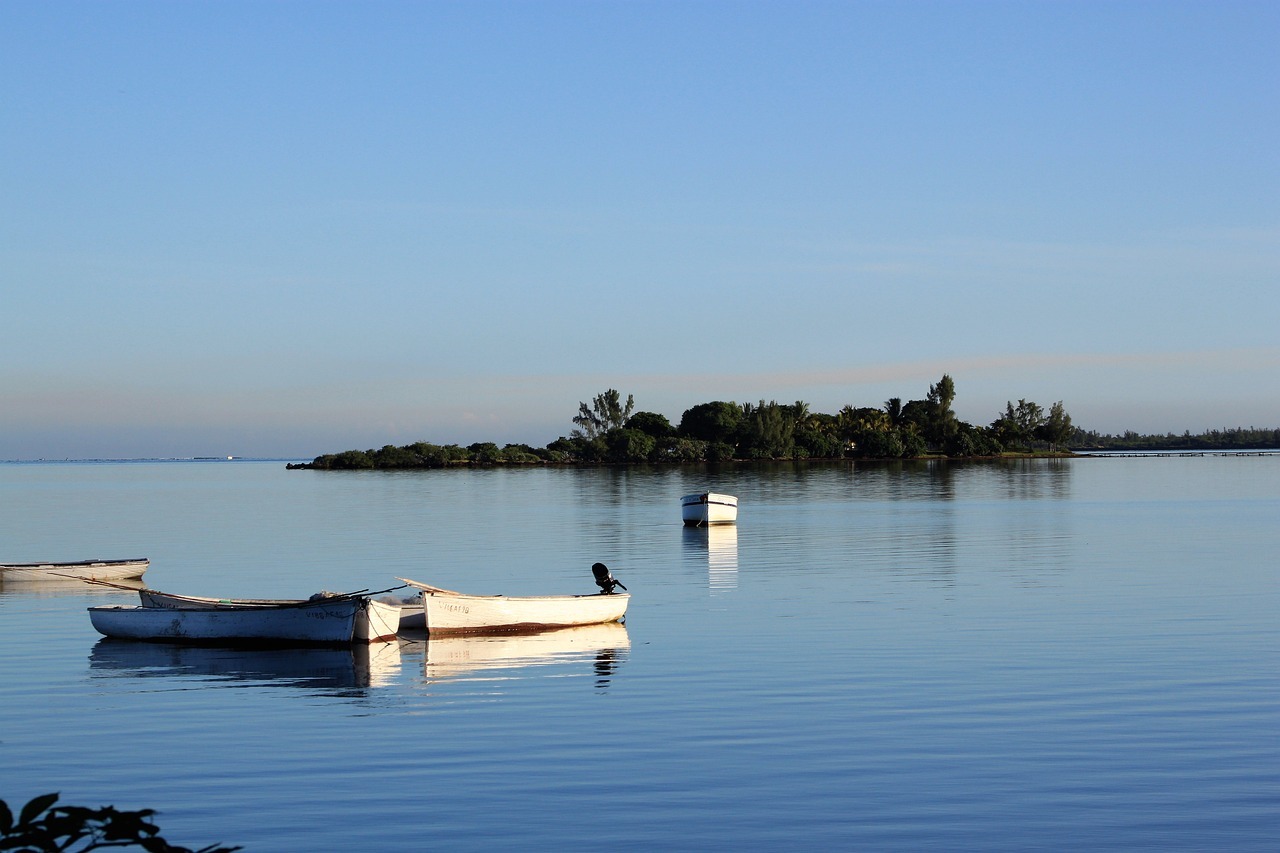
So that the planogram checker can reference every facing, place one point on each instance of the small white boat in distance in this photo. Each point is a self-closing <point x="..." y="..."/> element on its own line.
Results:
<point x="446" y="612"/>
<point x="90" y="570"/>
<point x="377" y="622"/>
<point x="325" y="621"/>
<point x="699" y="510"/>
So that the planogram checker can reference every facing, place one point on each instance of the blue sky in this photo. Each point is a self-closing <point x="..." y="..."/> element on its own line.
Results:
<point x="285" y="229"/>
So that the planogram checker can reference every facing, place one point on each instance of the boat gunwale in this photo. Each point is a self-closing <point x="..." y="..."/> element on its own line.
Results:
<point x="232" y="605"/>
<point x="436" y="591"/>
<point x="700" y="498"/>
<point x="528" y="598"/>
<point x="78" y="564"/>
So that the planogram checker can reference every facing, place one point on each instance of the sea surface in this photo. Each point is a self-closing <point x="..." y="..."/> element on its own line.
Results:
<point x="1076" y="654"/>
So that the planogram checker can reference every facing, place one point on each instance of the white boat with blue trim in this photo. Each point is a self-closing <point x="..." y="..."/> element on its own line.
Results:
<point x="704" y="508"/>
<point x="324" y="620"/>
<point x="379" y="621"/>
<point x="446" y="612"/>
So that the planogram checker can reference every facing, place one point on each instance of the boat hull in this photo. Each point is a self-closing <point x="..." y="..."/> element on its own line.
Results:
<point x="90" y="570"/>
<point x="706" y="508"/>
<point x="330" y="622"/>
<point x="471" y="614"/>
<point x="453" y="613"/>
<point x="377" y="622"/>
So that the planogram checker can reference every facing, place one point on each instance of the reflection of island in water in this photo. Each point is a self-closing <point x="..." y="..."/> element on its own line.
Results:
<point x="604" y="646"/>
<point x="718" y="544"/>
<point x="342" y="668"/>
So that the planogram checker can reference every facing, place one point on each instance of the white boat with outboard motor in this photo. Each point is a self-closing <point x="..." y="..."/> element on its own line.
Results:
<point x="446" y="612"/>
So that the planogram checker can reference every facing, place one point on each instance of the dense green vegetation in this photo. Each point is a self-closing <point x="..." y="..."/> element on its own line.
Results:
<point x="1239" y="438"/>
<point x="609" y="430"/>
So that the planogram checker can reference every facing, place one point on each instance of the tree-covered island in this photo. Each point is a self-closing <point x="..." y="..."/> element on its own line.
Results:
<point x="609" y="430"/>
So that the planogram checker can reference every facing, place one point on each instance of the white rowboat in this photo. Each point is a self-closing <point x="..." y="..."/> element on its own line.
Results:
<point x="705" y="508"/>
<point x="92" y="570"/>
<point x="446" y="612"/>
<point x="379" y="621"/>
<point x="327" y="621"/>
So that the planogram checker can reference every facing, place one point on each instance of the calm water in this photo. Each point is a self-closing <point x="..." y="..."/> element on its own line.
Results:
<point x="1076" y="654"/>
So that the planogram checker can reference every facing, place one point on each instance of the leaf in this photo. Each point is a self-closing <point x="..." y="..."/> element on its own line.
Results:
<point x="127" y="826"/>
<point x="78" y="814"/>
<point x="35" y="807"/>
<point x="67" y="827"/>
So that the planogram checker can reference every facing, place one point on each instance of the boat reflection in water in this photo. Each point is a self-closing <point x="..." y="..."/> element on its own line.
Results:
<point x="317" y="668"/>
<point x="604" y="646"/>
<point x="58" y="587"/>
<point x="718" y="546"/>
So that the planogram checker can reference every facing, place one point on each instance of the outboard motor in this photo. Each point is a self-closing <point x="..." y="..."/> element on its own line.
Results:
<point x="604" y="580"/>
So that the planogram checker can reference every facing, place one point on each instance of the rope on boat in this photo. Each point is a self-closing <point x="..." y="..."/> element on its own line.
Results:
<point x="317" y="598"/>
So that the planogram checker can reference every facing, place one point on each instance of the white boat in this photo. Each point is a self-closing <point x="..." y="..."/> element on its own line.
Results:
<point x="91" y="570"/>
<point x="705" y="508"/>
<point x="325" y="621"/>
<point x="446" y="612"/>
<point x="379" y="621"/>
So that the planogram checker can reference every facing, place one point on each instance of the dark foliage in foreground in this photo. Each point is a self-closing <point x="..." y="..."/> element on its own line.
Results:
<point x="42" y="827"/>
<point x="608" y="432"/>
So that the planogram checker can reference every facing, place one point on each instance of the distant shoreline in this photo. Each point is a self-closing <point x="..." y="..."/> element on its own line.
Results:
<point x="295" y="463"/>
<point x="132" y="460"/>
<point x="1004" y="457"/>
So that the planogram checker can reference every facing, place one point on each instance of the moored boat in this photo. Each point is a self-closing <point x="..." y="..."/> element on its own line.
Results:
<point x="446" y="612"/>
<point x="703" y="508"/>
<point x="90" y="570"/>
<point x="380" y="620"/>
<point x="325" y="621"/>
